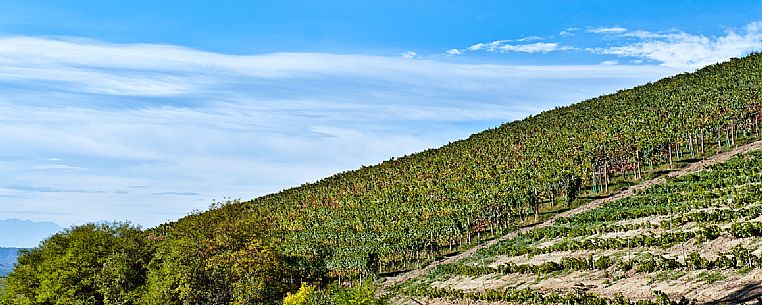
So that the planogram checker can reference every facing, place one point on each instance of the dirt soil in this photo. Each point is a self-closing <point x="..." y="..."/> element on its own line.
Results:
<point x="733" y="287"/>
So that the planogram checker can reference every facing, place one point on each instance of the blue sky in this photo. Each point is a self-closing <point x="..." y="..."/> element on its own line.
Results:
<point x="147" y="110"/>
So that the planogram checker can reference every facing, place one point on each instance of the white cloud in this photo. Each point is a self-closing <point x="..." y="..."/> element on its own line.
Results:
<point x="530" y="38"/>
<point x="688" y="51"/>
<point x="647" y="34"/>
<point x="609" y="62"/>
<point x="176" y="121"/>
<point x="453" y="52"/>
<point x="409" y="54"/>
<point x="607" y="30"/>
<point x="540" y="47"/>
<point x="568" y="32"/>
<point x="488" y="46"/>
<point x="56" y="166"/>
<point x="503" y="46"/>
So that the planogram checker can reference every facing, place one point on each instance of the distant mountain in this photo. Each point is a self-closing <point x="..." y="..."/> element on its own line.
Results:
<point x="8" y="257"/>
<point x="25" y="233"/>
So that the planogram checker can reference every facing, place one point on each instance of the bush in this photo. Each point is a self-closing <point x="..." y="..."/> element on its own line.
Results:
<point x="603" y="263"/>
<point x="364" y="294"/>
<point x="303" y="296"/>
<point x="695" y="261"/>
<point x="335" y="294"/>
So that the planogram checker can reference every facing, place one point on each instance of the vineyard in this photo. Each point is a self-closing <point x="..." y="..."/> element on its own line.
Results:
<point x="404" y="213"/>
<point x="695" y="238"/>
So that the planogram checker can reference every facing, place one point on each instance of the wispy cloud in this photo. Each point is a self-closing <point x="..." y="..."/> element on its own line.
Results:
<point x="44" y="189"/>
<point x="453" y="52"/>
<point x="670" y="48"/>
<point x="488" y="46"/>
<point x="606" y="30"/>
<point x="57" y="166"/>
<point x="568" y="32"/>
<point x="530" y="38"/>
<point x="409" y="54"/>
<point x="684" y="50"/>
<point x="218" y="125"/>
<point x="176" y="194"/>
<point x="503" y="46"/>
<point x="539" y="47"/>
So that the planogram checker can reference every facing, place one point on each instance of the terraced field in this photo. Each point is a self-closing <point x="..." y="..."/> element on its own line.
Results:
<point x="695" y="238"/>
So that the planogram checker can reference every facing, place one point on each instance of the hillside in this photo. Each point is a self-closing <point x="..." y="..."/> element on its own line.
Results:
<point x="695" y="236"/>
<point x="687" y="170"/>
<point x="406" y="212"/>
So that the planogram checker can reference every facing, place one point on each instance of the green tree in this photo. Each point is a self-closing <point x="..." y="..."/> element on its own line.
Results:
<point x="89" y="264"/>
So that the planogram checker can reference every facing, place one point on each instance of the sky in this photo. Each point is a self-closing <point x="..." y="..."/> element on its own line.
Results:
<point x="144" y="111"/>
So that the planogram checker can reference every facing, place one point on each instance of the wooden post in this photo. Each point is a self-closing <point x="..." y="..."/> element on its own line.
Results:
<point x="702" y="142"/>
<point x="670" y="156"/>
<point x="690" y="144"/>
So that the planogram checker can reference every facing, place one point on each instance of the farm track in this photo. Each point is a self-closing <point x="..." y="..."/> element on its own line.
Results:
<point x="691" y="168"/>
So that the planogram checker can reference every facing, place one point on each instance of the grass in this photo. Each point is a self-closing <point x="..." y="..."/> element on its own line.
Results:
<point x="666" y="275"/>
<point x="744" y="270"/>
<point x="710" y="277"/>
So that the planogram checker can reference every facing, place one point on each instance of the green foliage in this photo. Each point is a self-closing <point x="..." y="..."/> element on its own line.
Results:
<point x="2" y="288"/>
<point x="220" y="258"/>
<point x="724" y="200"/>
<point x="666" y="275"/>
<point x="358" y="294"/>
<point x="304" y="296"/>
<point x="405" y="211"/>
<point x="90" y="264"/>
<point x="603" y="263"/>
<point x="362" y="294"/>
<point x="710" y="277"/>
<point x="695" y="261"/>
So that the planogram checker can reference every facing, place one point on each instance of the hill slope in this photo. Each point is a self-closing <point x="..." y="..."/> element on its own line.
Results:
<point x="689" y="169"/>
<point x="406" y="212"/>
<point x="696" y="236"/>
